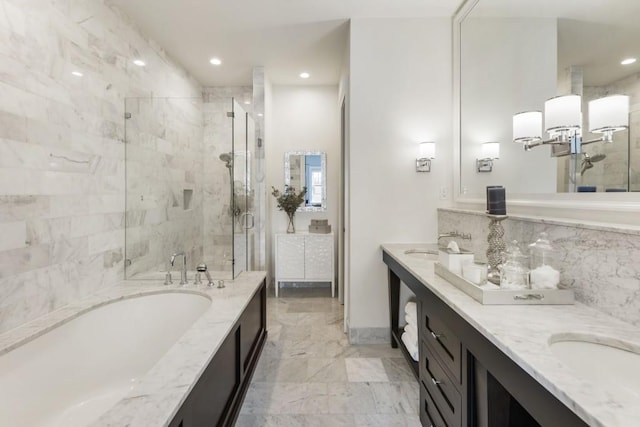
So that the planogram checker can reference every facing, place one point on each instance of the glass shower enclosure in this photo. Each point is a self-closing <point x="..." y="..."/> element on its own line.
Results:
<point x="188" y="186"/>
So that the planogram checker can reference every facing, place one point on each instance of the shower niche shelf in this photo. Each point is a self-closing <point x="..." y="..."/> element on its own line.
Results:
<point x="187" y="196"/>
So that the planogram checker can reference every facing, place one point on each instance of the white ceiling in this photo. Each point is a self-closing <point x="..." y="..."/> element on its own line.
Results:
<point x="285" y="36"/>
<point x="593" y="34"/>
<point x="291" y="36"/>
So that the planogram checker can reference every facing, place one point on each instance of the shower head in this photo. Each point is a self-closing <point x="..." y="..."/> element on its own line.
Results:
<point x="226" y="157"/>
<point x="588" y="161"/>
<point x="598" y="157"/>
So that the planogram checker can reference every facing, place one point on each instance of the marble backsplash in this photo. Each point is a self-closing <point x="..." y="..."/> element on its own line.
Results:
<point x="601" y="263"/>
<point x="62" y="157"/>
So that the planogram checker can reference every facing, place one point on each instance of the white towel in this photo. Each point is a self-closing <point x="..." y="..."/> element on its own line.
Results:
<point x="412" y="348"/>
<point x="411" y="320"/>
<point x="413" y="331"/>
<point x="411" y="309"/>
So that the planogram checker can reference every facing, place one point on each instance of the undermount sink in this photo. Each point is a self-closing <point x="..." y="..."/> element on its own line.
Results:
<point x="601" y="361"/>
<point x="422" y="253"/>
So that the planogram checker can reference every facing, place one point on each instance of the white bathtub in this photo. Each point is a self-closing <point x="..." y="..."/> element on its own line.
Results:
<point x="72" y="374"/>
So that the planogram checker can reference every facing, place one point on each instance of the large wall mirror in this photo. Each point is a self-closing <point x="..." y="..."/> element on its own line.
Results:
<point x="308" y="169"/>
<point x="512" y="56"/>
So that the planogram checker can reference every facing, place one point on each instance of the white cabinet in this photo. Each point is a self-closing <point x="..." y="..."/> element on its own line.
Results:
<point x="304" y="257"/>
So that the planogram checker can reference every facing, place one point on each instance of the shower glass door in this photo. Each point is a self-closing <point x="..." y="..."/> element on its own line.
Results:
<point x="243" y="191"/>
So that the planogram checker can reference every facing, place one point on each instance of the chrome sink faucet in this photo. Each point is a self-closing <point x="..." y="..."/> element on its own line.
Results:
<point x="183" y="273"/>
<point x="452" y="234"/>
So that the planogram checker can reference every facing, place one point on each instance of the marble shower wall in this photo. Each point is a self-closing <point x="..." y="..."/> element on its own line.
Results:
<point x="602" y="264"/>
<point x="260" y="181"/>
<point x="62" y="173"/>
<point x="164" y="155"/>
<point x="608" y="173"/>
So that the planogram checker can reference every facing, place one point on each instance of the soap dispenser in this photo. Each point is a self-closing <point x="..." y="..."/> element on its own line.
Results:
<point x="514" y="273"/>
<point x="545" y="273"/>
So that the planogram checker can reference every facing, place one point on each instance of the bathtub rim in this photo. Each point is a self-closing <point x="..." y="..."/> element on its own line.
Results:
<point x="23" y="334"/>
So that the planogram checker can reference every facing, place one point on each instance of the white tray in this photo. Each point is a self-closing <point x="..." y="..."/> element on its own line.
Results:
<point x="506" y="296"/>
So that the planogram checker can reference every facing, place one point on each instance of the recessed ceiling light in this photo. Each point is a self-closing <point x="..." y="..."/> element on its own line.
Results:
<point x="305" y="75"/>
<point x="247" y="102"/>
<point x="260" y="114"/>
<point x="77" y="73"/>
<point x="628" y="61"/>
<point x="139" y="62"/>
<point x="215" y="61"/>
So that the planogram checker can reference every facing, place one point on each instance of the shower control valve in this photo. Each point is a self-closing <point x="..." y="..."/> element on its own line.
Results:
<point x="198" y="279"/>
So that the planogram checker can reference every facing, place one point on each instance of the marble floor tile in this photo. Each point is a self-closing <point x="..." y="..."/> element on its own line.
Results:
<point x="398" y="369"/>
<point x="309" y="375"/>
<point x="386" y="420"/>
<point x="351" y="398"/>
<point x="406" y="397"/>
<point x="329" y="420"/>
<point x="365" y="370"/>
<point x="326" y="370"/>
<point x="281" y="370"/>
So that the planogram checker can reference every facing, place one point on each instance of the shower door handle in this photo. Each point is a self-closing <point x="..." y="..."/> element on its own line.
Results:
<point x="246" y="223"/>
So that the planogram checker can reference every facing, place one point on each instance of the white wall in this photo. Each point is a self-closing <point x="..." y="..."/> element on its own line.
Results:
<point x="303" y="118"/>
<point x="400" y="94"/>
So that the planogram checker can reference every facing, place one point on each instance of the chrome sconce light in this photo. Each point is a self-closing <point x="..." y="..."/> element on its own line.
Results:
<point x="427" y="151"/>
<point x="490" y="152"/>
<point x="608" y="115"/>
<point x="563" y="118"/>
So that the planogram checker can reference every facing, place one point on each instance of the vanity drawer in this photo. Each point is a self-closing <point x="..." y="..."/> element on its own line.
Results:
<point x="444" y="343"/>
<point x="429" y="415"/>
<point x="440" y="387"/>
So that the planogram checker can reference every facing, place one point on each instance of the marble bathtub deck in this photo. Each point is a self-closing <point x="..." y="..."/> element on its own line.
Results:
<point x="309" y="375"/>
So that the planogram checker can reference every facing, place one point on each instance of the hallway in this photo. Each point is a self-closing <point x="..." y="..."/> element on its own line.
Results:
<point x="309" y="375"/>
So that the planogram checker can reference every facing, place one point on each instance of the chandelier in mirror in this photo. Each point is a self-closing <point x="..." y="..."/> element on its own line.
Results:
<point x="563" y="118"/>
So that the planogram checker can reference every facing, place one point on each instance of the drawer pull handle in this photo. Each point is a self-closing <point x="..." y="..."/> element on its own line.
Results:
<point x="529" y="297"/>
<point x="435" y="381"/>
<point x="436" y="336"/>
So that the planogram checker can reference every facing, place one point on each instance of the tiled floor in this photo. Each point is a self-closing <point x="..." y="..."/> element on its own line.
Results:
<point x="309" y="375"/>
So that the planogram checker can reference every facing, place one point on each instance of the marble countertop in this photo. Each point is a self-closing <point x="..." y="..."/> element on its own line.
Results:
<point x="523" y="333"/>
<point x="159" y="394"/>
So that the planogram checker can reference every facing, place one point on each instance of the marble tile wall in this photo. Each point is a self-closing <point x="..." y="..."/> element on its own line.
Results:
<point x="164" y="160"/>
<point x="626" y="145"/>
<point x="260" y="226"/>
<point x="602" y="264"/>
<point x="62" y="173"/>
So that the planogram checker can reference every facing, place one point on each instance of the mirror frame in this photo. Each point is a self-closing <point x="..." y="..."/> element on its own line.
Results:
<point x="323" y="165"/>
<point x="612" y="208"/>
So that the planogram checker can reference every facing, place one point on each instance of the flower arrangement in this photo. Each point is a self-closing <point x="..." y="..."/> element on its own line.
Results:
<point x="288" y="201"/>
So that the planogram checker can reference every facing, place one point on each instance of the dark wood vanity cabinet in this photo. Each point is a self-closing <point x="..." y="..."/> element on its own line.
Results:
<point x="217" y="396"/>
<point x="465" y="380"/>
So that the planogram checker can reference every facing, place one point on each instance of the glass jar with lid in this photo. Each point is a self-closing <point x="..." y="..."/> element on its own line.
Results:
<point x="514" y="273"/>
<point x="545" y="273"/>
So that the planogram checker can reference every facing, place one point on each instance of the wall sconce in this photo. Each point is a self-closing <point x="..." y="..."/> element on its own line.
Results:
<point x="490" y="152"/>
<point x="427" y="151"/>
<point x="563" y="118"/>
<point x="608" y="115"/>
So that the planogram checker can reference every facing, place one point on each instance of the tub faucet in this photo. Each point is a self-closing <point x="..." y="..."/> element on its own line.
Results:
<point x="202" y="268"/>
<point x="183" y="273"/>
